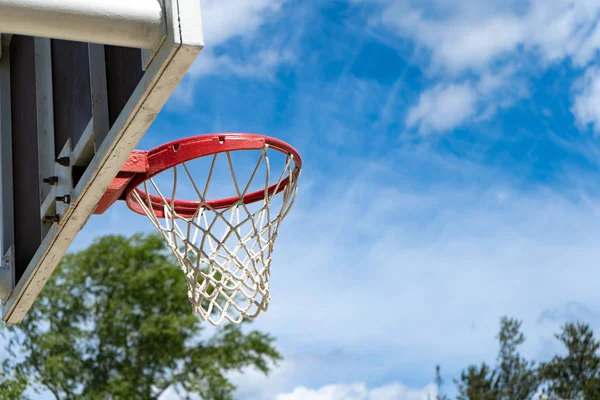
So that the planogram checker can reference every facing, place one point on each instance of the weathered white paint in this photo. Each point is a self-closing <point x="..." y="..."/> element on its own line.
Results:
<point x="190" y="23"/>
<point x="65" y="183"/>
<point x="45" y="117"/>
<point x="165" y="71"/>
<point x="48" y="207"/>
<point x="130" y="23"/>
<point x="84" y="151"/>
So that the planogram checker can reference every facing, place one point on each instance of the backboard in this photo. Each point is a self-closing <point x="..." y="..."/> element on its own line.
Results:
<point x="80" y="84"/>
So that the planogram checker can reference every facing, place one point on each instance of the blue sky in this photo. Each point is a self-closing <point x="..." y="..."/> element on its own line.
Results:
<point x="451" y="176"/>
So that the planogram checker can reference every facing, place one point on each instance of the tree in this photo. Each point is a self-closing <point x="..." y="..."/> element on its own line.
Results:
<point x="439" y="384"/>
<point x="478" y="383"/>
<point x="12" y="386"/>
<point x="513" y="378"/>
<point x="517" y="377"/>
<point x="115" y="323"/>
<point x="577" y="374"/>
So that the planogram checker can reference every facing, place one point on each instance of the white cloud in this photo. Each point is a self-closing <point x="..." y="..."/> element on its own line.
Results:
<point x="260" y="65"/>
<point x="473" y="38"/>
<point x="588" y="47"/>
<point x="450" y="105"/>
<point x="397" y="391"/>
<point x="563" y="29"/>
<point x="251" y="384"/>
<point x="254" y="385"/>
<point x="224" y="20"/>
<point x="227" y="19"/>
<point x="586" y="105"/>
<point x="473" y="35"/>
<point x="442" y="108"/>
<point x="359" y="391"/>
<point x="459" y="44"/>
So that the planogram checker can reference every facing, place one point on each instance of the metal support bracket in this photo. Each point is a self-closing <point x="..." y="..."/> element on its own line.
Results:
<point x="128" y="23"/>
<point x="57" y="203"/>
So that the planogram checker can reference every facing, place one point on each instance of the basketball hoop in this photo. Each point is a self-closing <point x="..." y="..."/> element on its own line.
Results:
<point x="223" y="245"/>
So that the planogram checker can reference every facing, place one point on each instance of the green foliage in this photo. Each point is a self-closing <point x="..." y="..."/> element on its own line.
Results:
<point x="577" y="374"/>
<point x="478" y="383"/>
<point x="439" y="384"/>
<point x="513" y="378"/>
<point x="12" y="386"/>
<point x="517" y="377"/>
<point x="115" y="323"/>
<point x="573" y="376"/>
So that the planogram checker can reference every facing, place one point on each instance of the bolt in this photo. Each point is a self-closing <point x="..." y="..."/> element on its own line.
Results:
<point x="64" y="161"/>
<point x="50" y="218"/>
<point x="52" y="180"/>
<point x="65" y="199"/>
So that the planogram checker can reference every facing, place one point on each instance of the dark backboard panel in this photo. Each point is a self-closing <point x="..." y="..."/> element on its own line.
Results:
<point x="27" y="233"/>
<point x="72" y="103"/>
<point x="71" y="89"/>
<point x="123" y="73"/>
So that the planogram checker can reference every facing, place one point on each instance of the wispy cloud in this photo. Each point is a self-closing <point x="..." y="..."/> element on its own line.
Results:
<point x="260" y="65"/>
<point x="586" y="105"/>
<point x="250" y="54"/>
<point x="449" y="105"/>
<point x="254" y="385"/>
<point x="459" y="43"/>
<point x="360" y="391"/>
<point x="443" y="107"/>
<point x="472" y="35"/>
<point x="571" y="311"/>
<point x="227" y="20"/>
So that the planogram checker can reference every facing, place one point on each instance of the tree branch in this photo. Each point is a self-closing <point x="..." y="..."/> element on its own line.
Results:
<point x="46" y="385"/>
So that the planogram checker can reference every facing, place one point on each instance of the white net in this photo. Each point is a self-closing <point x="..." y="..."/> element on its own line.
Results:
<point x="225" y="253"/>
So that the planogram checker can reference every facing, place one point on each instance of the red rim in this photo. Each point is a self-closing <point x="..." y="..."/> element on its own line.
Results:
<point x="170" y="154"/>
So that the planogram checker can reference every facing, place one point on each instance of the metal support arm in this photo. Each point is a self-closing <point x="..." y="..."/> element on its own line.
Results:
<point x="129" y="23"/>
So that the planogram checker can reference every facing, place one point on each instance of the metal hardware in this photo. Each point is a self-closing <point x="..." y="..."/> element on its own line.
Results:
<point x="52" y="180"/>
<point x="51" y="218"/>
<point x="64" y="161"/>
